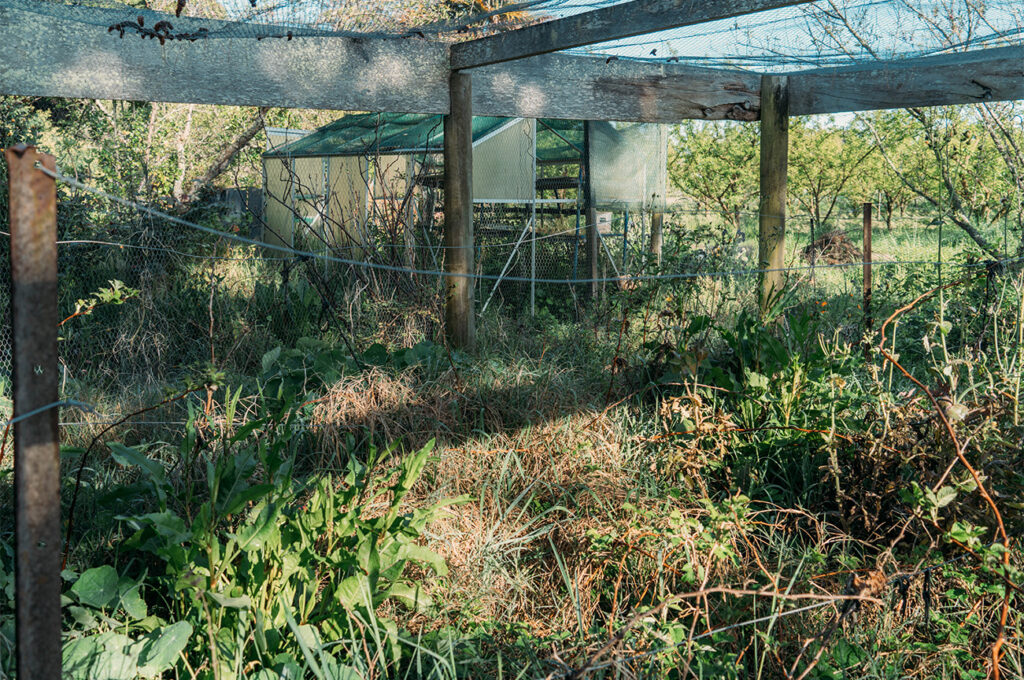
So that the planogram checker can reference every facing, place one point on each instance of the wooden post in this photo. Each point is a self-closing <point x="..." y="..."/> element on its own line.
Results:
<point x="657" y="221"/>
<point x="867" y="269"/>
<point x="33" y="213"/>
<point x="813" y="251"/>
<point x="590" y="209"/>
<point x="460" y="322"/>
<point x="409" y="235"/>
<point x="774" y="163"/>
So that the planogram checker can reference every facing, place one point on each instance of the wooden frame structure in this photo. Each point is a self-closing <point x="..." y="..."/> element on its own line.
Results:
<point x="516" y="73"/>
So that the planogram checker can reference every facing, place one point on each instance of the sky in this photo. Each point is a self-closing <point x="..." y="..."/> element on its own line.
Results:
<point x="786" y="39"/>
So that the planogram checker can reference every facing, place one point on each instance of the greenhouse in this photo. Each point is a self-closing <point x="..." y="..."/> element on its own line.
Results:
<point x="373" y="180"/>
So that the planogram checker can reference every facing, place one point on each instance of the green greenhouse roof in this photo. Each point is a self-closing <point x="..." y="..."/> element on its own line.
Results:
<point x="370" y="134"/>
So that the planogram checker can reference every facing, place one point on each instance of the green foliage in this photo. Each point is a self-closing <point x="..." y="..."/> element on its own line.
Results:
<point x="114" y="637"/>
<point x="717" y="164"/>
<point x="266" y="549"/>
<point x="258" y="568"/>
<point x="116" y="294"/>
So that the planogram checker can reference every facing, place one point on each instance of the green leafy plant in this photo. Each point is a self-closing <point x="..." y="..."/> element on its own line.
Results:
<point x="267" y="549"/>
<point x="114" y="636"/>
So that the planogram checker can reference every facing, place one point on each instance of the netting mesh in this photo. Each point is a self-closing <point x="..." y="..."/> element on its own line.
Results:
<point x="817" y="34"/>
<point x="456" y="20"/>
<point x="830" y="33"/>
<point x="203" y="298"/>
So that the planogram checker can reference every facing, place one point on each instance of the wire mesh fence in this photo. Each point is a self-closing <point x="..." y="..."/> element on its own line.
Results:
<point x="204" y="298"/>
<point x="338" y="231"/>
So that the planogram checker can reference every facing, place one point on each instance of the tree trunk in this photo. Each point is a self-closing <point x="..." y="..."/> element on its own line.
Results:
<point x="224" y="158"/>
<point x="182" y="163"/>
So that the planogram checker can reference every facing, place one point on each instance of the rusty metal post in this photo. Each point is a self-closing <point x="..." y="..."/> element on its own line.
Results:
<point x="33" y="212"/>
<point x="867" y="269"/>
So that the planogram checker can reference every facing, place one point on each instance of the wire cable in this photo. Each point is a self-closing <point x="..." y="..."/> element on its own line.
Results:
<point x="302" y="254"/>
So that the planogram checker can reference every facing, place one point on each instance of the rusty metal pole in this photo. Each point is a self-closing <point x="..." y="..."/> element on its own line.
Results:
<point x="867" y="269"/>
<point x="33" y="212"/>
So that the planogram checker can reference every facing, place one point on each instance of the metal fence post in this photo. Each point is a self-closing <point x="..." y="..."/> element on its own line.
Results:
<point x="867" y="269"/>
<point x="33" y="214"/>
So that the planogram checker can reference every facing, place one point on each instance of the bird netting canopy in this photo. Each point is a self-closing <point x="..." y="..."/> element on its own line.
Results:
<point x="800" y="36"/>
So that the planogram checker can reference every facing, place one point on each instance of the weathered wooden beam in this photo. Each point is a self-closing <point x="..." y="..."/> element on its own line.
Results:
<point x="963" y="78"/>
<point x="591" y="88"/>
<point x="657" y="224"/>
<point x="774" y="166"/>
<point x="602" y="25"/>
<point x="460" y="319"/>
<point x="56" y="56"/>
<point x="52" y="55"/>
<point x="593" y="247"/>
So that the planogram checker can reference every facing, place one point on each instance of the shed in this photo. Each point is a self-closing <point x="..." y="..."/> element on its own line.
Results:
<point x="340" y="183"/>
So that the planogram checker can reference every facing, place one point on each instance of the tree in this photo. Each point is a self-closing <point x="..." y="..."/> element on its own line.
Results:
<point x="824" y="160"/>
<point x="716" y="164"/>
<point x="956" y="167"/>
<point x="964" y="170"/>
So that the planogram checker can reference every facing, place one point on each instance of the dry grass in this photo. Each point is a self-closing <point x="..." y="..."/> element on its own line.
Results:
<point x="541" y="467"/>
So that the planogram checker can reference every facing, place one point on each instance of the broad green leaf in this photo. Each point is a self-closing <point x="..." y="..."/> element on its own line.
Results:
<point x="241" y="602"/>
<point x="97" y="587"/>
<point x="423" y="555"/>
<point x="130" y="599"/>
<point x="241" y="498"/>
<point x="412" y="597"/>
<point x="270" y="358"/>
<point x="130" y="457"/>
<point x="160" y="649"/>
<point x="375" y="355"/>
<point x="78" y="655"/>
<point x="945" y="496"/>
<point x="83" y="617"/>
<point x="127" y="456"/>
<point x="304" y="635"/>
<point x="260" y="530"/>
<point x="350" y="592"/>
<point x="117" y="661"/>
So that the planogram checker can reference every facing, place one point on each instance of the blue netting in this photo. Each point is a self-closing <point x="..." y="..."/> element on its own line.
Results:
<point x="830" y="33"/>
<point x="822" y="33"/>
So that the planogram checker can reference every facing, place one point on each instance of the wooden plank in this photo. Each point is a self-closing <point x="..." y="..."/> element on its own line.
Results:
<point x="51" y="55"/>
<point x="590" y="88"/>
<point x="54" y="56"/>
<point x="460" y="317"/>
<point x="963" y="78"/>
<point x="593" y="247"/>
<point x="601" y="25"/>
<point x="657" y="224"/>
<point x="771" y="239"/>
